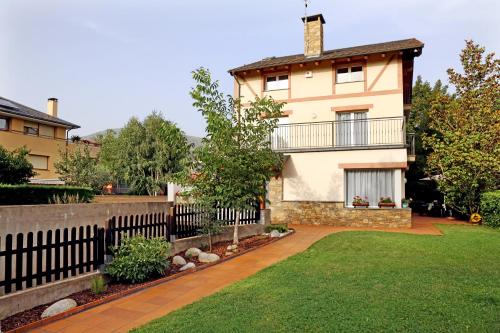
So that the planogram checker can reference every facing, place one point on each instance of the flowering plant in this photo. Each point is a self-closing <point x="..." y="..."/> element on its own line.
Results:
<point x="359" y="200"/>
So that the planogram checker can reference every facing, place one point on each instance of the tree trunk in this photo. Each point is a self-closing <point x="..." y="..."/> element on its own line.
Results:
<point x="236" y="225"/>
<point x="209" y="241"/>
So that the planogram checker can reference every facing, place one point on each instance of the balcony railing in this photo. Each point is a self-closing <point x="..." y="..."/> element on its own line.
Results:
<point x="340" y="135"/>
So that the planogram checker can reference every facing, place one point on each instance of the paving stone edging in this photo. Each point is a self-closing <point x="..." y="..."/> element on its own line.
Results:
<point x="136" y="289"/>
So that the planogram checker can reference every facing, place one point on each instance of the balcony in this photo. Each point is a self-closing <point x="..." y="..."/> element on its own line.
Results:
<point x="373" y="133"/>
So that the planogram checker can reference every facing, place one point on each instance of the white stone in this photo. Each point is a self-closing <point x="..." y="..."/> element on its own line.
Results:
<point x="189" y="265"/>
<point x="232" y="247"/>
<point x="178" y="261"/>
<point x="59" y="307"/>
<point x="274" y="234"/>
<point x="208" y="257"/>
<point x="193" y="252"/>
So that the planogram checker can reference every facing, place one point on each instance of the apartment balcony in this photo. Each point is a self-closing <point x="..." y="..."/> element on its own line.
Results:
<point x="357" y="134"/>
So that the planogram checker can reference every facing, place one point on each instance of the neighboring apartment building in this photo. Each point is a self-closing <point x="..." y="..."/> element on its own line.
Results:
<point x="43" y="134"/>
<point x="343" y="127"/>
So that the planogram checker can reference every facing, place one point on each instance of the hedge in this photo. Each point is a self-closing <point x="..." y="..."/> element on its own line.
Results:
<point x="490" y="208"/>
<point x="40" y="194"/>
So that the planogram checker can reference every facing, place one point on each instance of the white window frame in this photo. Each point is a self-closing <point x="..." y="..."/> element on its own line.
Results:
<point x="373" y="204"/>
<point x="278" y="84"/>
<point x="349" y="75"/>
<point x="350" y="127"/>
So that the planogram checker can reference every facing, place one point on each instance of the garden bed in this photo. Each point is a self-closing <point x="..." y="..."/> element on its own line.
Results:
<point x="86" y="299"/>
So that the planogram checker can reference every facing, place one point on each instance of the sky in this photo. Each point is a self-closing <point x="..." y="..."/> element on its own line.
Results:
<point x="109" y="60"/>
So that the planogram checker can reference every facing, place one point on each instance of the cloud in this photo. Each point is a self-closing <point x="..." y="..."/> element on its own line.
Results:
<point x="104" y="31"/>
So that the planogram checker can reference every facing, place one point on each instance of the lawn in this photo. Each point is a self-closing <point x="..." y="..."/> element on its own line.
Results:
<point x="362" y="282"/>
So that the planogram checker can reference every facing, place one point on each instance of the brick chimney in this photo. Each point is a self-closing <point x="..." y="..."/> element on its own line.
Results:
<point x="313" y="35"/>
<point x="52" y="107"/>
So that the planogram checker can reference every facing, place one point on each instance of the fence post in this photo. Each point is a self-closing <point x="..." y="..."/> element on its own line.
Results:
<point x="172" y="223"/>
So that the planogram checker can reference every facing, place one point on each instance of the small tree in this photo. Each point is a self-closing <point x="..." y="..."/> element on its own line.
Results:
<point x="235" y="160"/>
<point x="466" y="150"/>
<point x="79" y="168"/>
<point x="15" y="167"/>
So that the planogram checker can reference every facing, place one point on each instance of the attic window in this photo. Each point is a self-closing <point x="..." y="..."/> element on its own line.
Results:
<point x="350" y="74"/>
<point x="277" y="82"/>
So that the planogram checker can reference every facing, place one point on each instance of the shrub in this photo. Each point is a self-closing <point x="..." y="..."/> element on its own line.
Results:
<point x="490" y="208"/>
<point x="98" y="285"/>
<point x="15" y="167"/>
<point x="277" y="227"/>
<point x="41" y="194"/>
<point x="138" y="259"/>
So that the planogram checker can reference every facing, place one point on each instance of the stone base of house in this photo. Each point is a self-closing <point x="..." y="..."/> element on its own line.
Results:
<point x="332" y="213"/>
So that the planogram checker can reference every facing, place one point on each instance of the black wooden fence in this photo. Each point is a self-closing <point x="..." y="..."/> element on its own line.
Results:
<point x="187" y="218"/>
<point x="31" y="260"/>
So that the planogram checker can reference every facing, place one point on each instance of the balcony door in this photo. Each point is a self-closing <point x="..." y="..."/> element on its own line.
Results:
<point x="351" y="129"/>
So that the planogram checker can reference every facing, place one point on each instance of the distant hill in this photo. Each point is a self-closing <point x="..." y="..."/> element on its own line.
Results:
<point x="191" y="139"/>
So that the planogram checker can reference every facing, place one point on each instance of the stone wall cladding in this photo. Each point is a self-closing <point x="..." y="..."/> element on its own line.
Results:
<point x="332" y="213"/>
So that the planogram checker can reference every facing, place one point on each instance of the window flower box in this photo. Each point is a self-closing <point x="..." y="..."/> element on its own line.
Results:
<point x="360" y="204"/>
<point x="386" y="202"/>
<point x="357" y="201"/>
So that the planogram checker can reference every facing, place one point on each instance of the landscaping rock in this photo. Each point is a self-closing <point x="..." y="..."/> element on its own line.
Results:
<point x="193" y="252"/>
<point x="178" y="261"/>
<point x="208" y="257"/>
<point x="189" y="265"/>
<point x="274" y="234"/>
<point x="232" y="247"/>
<point x="228" y="253"/>
<point x="59" y="307"/>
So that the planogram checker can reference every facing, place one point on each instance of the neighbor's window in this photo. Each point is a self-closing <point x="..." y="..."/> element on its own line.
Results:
<point x="371" y="184"/>
<point x="30" y="128"/>
<point x="277" y="82"/>
<point x="46" y="131"/>
<point x="4" y="124"/>
<point x="350" y="74"/>
<point x="39" y="162"/>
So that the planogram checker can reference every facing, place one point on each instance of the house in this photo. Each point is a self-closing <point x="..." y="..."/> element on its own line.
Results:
<point x="43" y="134"/>
<point x="343" y="128"/>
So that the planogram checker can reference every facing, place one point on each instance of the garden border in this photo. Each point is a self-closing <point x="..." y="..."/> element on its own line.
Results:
<point x="136" y="289"/>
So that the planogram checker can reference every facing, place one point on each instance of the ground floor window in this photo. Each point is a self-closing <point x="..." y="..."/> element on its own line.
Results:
<point x="39" y="162"/>
<point x="371" y="184"/>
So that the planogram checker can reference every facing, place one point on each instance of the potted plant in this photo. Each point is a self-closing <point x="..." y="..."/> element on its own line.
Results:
<point x="405" y="203"/>
<point x="386" y="202"/>
<point x="358" y="201"/>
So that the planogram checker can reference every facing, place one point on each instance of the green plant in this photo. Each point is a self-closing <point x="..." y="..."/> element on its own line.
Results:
<point x="138" y="259"/>
<point x="66" y="198"/>
<point x="15" y="167"/>
<point x="41" y="194"/>
<point x="385" y="200"/>
<point x="464" y="144"/>
<point x="490" y="208"/>
<point x="359" y="200"/>
<point x="278" y="227"/>
<point x="98" y="285"/>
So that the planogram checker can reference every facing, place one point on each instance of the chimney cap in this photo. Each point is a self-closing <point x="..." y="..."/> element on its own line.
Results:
<point x="314" y="18"/>
<point x="52" y="99"/>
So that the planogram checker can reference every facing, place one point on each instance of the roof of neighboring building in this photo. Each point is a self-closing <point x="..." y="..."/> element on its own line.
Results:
<point x="10" y="107"/>
<point x="362" y="50"/>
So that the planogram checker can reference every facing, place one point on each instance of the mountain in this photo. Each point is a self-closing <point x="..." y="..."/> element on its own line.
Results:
<point x="195" y="140"/>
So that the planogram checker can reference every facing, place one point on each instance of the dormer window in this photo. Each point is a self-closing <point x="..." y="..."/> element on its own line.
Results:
<point x="277" y="82"/>
<point x="350" y="74"/>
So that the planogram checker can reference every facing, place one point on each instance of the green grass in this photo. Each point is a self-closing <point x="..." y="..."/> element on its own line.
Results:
<point x="362" y="282"/>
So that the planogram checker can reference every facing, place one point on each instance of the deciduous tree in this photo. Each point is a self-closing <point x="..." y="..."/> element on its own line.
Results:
<point x="15" y="167"/>
<point x="465" y="153"/>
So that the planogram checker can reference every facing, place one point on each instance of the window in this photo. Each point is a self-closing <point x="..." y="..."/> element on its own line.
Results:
<point x="46" y="131"/>
<point x="350" y="74"/>
<point x="369" y="183"/>
<point x="277" y="82"/>
<point x="351" y="129"/>
<point x="39" y="162"/>
<point x="30" y="128"/>
<point x="4" y="124"/>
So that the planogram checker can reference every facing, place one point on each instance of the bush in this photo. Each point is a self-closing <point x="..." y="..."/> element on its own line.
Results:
<point x="490" y="208"/>
<point x="41" y="194"/>
<point x="138" y="259"/>
<point x="279" y="227"/>
<point x="15" y="167"/>
<point x="98" y="285"/>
